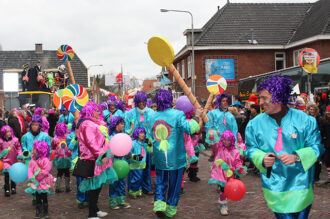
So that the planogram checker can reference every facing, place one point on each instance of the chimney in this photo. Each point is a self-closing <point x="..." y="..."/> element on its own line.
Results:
<point x="38" y="48"/>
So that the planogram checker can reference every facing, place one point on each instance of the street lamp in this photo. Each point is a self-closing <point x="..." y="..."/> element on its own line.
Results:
<point x="88" y="74"/>
<point x="192" y="45"/>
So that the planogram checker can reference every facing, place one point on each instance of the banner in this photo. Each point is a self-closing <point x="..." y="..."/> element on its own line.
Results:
<point x="223" y="67"/>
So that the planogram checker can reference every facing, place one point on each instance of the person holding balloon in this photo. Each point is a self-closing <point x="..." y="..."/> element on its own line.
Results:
<point x="284" y="144"/>
<point x="95" y="156"/>
<point x="117" y="190"/>
<point x="11" y="152"/>
<point x="138" y="117"/>
<point x="62" y="158"/>
<point x="169" y="152"/>
<point x="227" y="165"/>
<point x="40" y="180"/>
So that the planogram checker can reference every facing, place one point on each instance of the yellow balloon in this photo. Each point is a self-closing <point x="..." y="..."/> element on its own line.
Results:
<point x="160" y="51"/>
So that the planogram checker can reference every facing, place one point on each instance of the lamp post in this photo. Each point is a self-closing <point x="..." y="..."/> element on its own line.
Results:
<point x="88" y="74"/>
<point x="193" y="77"/>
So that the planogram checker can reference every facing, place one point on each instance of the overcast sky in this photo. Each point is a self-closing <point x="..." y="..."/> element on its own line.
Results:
<point x="107" y="32"/>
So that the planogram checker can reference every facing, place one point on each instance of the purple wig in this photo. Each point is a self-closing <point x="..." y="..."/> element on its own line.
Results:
<point x="140" y="97"/>
<point x="38" y="111"/>
<point x="36" y="119"/>
<point x="164" y="100"/>
<point x="4" y="129"/>
<point x="220" y="97"/>
<point x="149" y="102"/>
<point x="114" y="122"/>
<point x="89" y="109"/>
<point x="60" y="130"/>
<point x="279" y="86"/>
<point x="42" y="148"/>
<point x="137" y="132"/>
<point x="112" y="100"/>
<point x="104" y="106"/>
<point x="121" y="105"/>
<point x="228" y="135"/>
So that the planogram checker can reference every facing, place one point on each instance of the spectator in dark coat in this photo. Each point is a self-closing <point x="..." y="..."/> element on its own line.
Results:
<point x="14" y="124"/>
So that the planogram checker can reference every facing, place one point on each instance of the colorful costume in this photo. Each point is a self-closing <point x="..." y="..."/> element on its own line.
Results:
<point x="28" y="140"/>
<point x="169" y="152"/>
<point x="66" y="119"/>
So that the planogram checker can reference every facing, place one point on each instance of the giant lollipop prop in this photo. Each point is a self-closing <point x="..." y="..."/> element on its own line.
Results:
<point x="74" y="97"/>
<point x="65" y="53"/>
<point x="216" y="84"/>
<point x="162" y="53"/>
<point x="57" y="99"/>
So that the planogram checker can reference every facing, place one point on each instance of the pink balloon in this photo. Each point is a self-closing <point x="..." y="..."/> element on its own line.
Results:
<point x="121" y="144"/>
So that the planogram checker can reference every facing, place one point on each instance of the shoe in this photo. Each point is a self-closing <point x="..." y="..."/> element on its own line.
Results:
<point x="115" y="207"/>
<point x="7" y="193"/>
<point x="82" y="205"/>
<point x="94" y="218"/>
<point x="13" y="191"/>
<point x="160" y="214"/>
<point x="101" y="214"/>
<point x="126" y="205"/>
<point x="223" y="208"/>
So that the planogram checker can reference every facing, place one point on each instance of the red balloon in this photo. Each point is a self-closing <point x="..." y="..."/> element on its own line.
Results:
<point x="1" y="165"/>
<point x="52" y="155"/>
<point x="235" y="190"/>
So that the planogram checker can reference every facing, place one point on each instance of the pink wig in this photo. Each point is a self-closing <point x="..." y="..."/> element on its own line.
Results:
<point x="228" y="135"/>
<point x="60" y="130"/>
<point x="42" y="148"/>
<point x="38" y="111"/>
<point x="4" y="129"/>
<point x="89" y="109"/>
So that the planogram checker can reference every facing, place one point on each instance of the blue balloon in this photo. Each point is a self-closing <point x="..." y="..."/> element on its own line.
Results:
<point x="18" y="172"/>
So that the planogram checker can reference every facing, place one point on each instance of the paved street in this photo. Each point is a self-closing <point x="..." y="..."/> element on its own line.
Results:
<point x="198" y="201"/>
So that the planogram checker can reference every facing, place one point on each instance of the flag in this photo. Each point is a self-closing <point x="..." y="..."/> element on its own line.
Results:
<point x="164" y="80"/>
<point x="119" y="78"/>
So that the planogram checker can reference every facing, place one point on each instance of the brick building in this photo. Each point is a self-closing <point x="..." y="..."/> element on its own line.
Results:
<point x="255" y="38"/>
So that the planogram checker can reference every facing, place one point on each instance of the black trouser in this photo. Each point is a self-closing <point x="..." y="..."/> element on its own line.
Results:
<point x="41" y="198"/>
<point x="66" y="172"/>
<point x="318" y="168"/>
<point x="93" y="197"/>
<point x="13" y="184"/>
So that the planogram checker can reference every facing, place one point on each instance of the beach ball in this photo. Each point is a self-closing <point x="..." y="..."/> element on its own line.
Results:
<point x="235" y="190"/>
<point x="121" y="167"/>
<point x="18" y="172"/>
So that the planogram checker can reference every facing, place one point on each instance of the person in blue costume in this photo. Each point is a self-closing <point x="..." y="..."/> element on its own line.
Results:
<point x="67" y="118"/>
<point x="35" y="134"/>
<point x="72" y="142"/>
<point x="137" y="163"/>
<point x="168" y="126"/>
<point x="220" y="120"/>
<point x="117" y="190"/>
<point x="139" y="117"/>
<point x="284" y="144"/>
<point x="112" y="110"/>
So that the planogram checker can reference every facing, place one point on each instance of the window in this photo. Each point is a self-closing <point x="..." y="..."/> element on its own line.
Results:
<point x="279" y="60"/>
<point x="189" y="67"/>
<point x="296" y="54"/>
<point x="182" y="69"/>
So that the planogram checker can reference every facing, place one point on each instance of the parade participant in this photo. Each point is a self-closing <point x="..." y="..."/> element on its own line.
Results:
<point x="72" y="142"/>
<point x="62" y="158"/>
<point x="137" y="163"/>
<point x="169" y="152"/>
<point x="11" y="152"/>
<point x="25" y="78"/>
<point x="95" y="153"/>
<point x="117" y="190"/>
<point x="32" y="75"/>
<point x="112" y="110"/>
<point x="227" y="164"/>
<point x="40" y="180"/>
<point x="240" y="146"/>
<point x="220" y="120"/>
<point x="139" y="117"/>
<point x="66" y="117"/>
<point x="285" y="143"/>
<point x="45" y="124"/>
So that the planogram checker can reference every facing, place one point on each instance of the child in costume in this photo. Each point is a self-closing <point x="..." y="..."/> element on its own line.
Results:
<point x="138" y="117"/>
<point x="11" y="152"/>
<point x="137" y="163"/>
<point x="169" y="152"/>
<point x="45" y="124"/>
<point x="117" y="190"/>
<point x="227" y="164"/>
<point x="62" y="158"/>
<point x="72" y="141"/>
<point x="240" y="146"/>
<point x="40" y="180"/>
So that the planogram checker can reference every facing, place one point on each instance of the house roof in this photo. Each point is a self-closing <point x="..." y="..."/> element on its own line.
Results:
<point x="48" y="59"/>
<point x="272" y="24"/>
